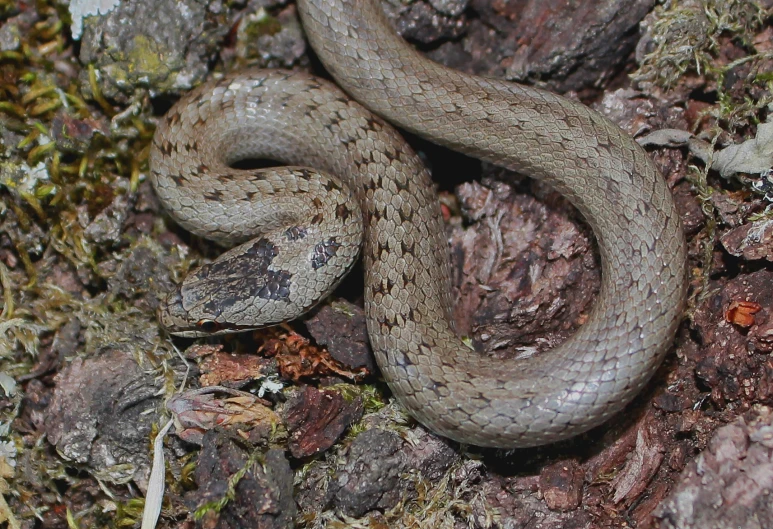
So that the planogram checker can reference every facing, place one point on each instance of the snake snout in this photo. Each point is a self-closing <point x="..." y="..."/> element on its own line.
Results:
<point x="174" y="318"/>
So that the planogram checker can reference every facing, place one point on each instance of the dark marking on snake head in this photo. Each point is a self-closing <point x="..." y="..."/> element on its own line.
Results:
<point x="317" y="219"/>
<point x="213" y="308"/>
<point x="295" y="233"/>
<point x="253" y="261"/>
<point x="323" y="252"/>
<point x="277" y="287"/>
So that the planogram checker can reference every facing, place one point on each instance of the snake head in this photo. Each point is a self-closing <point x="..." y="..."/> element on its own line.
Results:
<point x="173" y="316"/>
<point x="178" y="320"/>
<point x="192" y="322"/>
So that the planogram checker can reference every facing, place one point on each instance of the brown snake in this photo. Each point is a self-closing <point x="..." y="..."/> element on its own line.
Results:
<point x="291" y="257"/>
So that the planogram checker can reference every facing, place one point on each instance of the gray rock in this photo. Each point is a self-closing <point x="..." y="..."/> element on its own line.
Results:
<point x="370" y="477"/>
<point x="97" y="415"/>
<point x="450" y="7"/>
<point x="729" y="485"/>
<point x="161" y="45"/>
<point x="264" y="494"/>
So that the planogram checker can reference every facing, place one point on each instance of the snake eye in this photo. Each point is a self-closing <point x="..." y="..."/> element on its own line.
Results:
<point x="207" y="325"/>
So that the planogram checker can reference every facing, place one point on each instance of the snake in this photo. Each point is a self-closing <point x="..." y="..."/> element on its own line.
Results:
<point x="352" y="184"/>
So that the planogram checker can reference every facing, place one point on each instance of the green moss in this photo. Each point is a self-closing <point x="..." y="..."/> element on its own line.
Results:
<point x="686" y="37"/>
<point x="260" y="24"/>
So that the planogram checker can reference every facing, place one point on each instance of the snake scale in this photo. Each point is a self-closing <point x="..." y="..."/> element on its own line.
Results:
<point x="302" y="226"/>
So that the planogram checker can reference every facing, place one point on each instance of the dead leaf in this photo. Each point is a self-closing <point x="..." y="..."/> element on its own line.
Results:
<point x="742" y="313"/>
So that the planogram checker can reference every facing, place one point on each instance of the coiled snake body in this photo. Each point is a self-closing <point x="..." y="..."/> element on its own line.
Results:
<point x="303" y="226"/>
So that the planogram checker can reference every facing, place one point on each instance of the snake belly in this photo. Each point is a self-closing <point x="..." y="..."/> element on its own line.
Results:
<point x="453" y="391"/>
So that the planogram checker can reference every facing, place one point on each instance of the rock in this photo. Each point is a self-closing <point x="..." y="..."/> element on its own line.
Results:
<point x="97" y="417"/>
<point x="370" y="477"/>
<point x="263" y="497"/>
<point x="341" y="327"/>
<point x="573" y="44"/>
<point x="316" y="419"/>
<point x="561" y="485"/>
<point x="160" y="45"/>
<point x="751" y="241"/>
<point x="728" y="486"/>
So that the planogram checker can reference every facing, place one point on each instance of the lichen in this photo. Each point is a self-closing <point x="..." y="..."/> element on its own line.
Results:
<point x="80" y="9"/>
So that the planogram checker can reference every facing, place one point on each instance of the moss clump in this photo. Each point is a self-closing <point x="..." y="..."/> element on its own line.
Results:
<point x="685" y="37"/>
<point x="713" y="43"/>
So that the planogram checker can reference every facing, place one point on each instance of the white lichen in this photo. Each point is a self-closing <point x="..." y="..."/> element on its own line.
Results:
<point x="269" y="385"/>
<point x="80" y="9"/>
